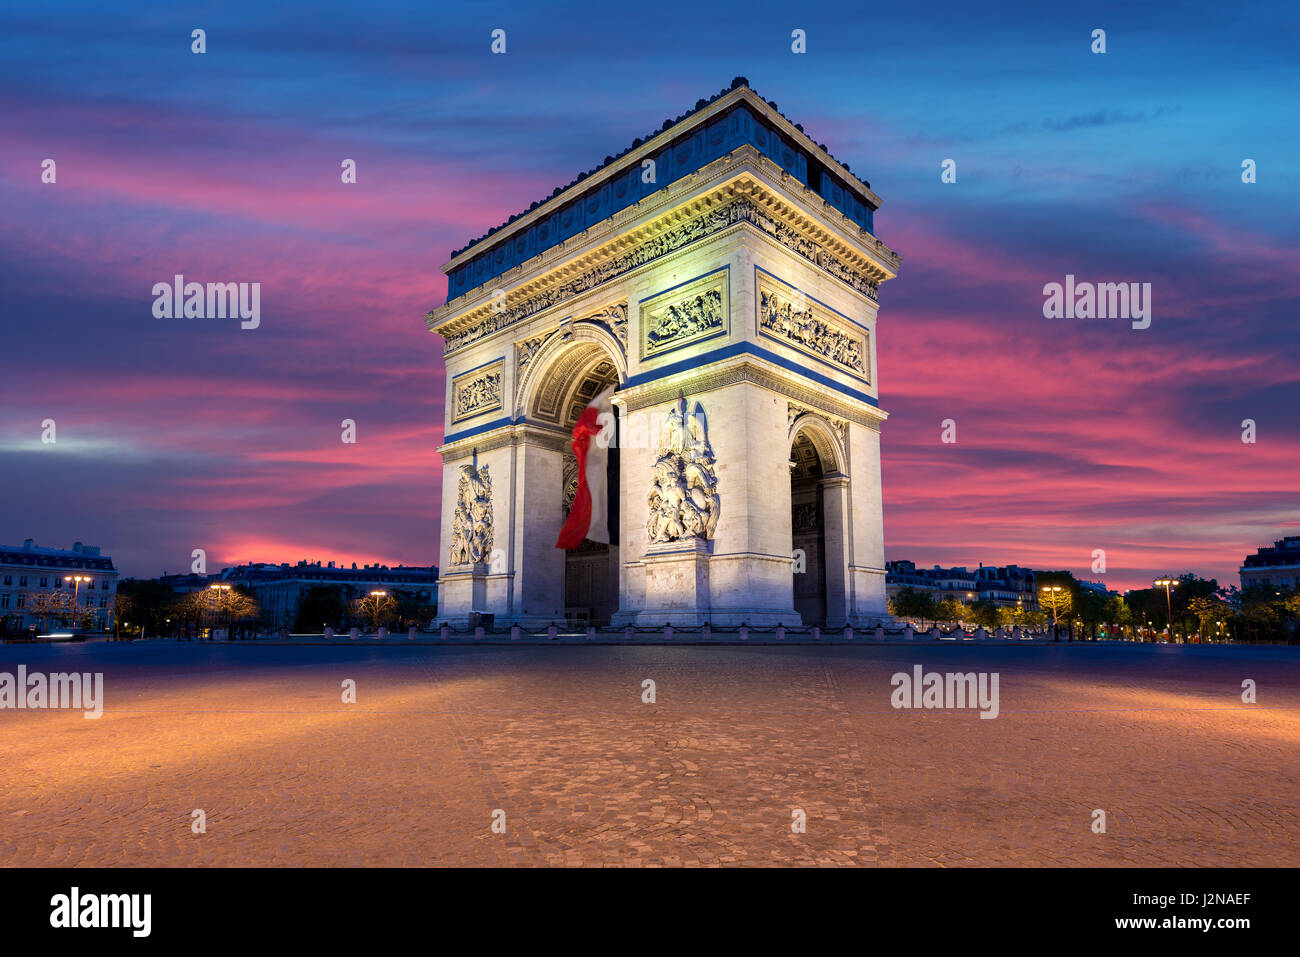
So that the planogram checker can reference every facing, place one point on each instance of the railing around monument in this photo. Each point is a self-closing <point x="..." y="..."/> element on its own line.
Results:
<point x="716" y="634"/>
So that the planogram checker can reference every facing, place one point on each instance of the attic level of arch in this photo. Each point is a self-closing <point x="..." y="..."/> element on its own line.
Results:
<point x="748" y="198"/>
<point x="743" y="123"/>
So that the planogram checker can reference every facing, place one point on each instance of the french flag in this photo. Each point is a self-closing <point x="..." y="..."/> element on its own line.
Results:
<point x="589" y="517"/>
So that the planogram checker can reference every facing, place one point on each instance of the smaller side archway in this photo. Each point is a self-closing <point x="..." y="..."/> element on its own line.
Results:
<point x="819" y="522"/>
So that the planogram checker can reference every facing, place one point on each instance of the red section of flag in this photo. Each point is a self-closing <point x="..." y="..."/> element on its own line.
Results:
<point x="579" y="523"/>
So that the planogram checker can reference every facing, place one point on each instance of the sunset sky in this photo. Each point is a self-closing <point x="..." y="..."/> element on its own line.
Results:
<point x="1073" y="434"/>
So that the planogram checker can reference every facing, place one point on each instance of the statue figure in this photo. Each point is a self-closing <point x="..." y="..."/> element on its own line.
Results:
<point x="683" y="498"/>
<point x="471" y="524"/>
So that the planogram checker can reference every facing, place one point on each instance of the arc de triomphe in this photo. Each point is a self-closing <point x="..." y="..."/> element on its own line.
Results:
<point x="722" y="275"/>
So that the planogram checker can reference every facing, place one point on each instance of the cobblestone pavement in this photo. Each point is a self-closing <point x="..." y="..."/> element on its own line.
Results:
<point x="710" y="774"/>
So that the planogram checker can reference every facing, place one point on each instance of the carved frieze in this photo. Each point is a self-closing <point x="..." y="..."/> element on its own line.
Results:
<point x="684" y="315"/>
<point x="670" y="240"/>
<point x="787" y="316"/>
<point x="471" y="527"/>
<point x="569" y="476"/>
<point x="804" y="517"/>
<point x="477" y="392"/>
<point x="794" y="410"/>
<point x="613" y="318"/>
<point x="683" y="497"/>
<point x="529" y="348"/>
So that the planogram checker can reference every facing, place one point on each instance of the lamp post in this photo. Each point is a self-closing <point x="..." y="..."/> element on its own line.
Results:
<point x="376" y="595"/>
<point x="1052" y="591"/>
<point x="76" y="593"/>
<point x="1168" y="583"/>
<point x="216" y="593"/>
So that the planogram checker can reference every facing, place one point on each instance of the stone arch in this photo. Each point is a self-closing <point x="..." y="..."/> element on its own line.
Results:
<point x="825" y="438"/>
<point x="819" y="522"/>
<point x="554" y="375"/>
<point x="572" y="365"/>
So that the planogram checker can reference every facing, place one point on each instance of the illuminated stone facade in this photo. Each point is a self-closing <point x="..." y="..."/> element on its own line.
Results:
<point x="734" y="306"/>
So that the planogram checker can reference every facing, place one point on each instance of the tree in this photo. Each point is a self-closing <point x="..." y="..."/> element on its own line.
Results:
<point x="322" y="606"/>
<point x="58" y="605"/>
<point x="1118" y="613"/>
<point x="985" y="613"/>
<point x="952" y="609"/>
<point x="145" y="603"/>
<point x="1056" y="602"/>
<point x="1092" y="608"/>
<point x="376" y="606"/>
<point x="411" y="610"/>
<point x="1208" y="609"/>
<point x="210" y="607"/>
<point x="913" y="604"/>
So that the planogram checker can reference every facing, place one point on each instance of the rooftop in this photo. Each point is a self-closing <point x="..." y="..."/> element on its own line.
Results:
<point x="78" y="556"/>
<point x="731" y="118"/>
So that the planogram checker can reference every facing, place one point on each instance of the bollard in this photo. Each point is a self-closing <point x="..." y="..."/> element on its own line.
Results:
<point x="848" y="632"/>
<point x="410" y="633"/>
<point x="382" y="633"/>
<point x="780" y="632"/>
<point x="354" y="633"/>
<point x="551" y="631"/>
<point x="935" y="632"/>
<point x="668" y="631"/>
<point x="444" y="631"/>
<point x="880" y="632"/>
<point x="627" y="633"/>
<point x="478" y="632"/>
<point x="707" y="633"/>
<point x="591" y="632"/>
<point x="816" y="633"/>
<point x="981" y="634"/>
<point x="329" y="632"/>
<point x="999" y="634"/>
<point x="908" y="634"/>
<point x="514" y="632"/>
<point x="744" y="632"/>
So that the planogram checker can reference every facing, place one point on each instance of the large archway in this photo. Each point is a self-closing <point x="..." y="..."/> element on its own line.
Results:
<point x="562" y="379"/>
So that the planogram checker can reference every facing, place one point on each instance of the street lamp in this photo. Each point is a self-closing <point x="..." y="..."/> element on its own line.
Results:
<point x="216" y="593"/>
<point x="1052" y="591"/>
<point x="375" y="606"/>
<point x="76" y="592"/>
<point x="1168" y="583"/>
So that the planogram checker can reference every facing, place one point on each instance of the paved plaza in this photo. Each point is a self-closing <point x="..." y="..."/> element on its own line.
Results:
<point x="559" y="739"/>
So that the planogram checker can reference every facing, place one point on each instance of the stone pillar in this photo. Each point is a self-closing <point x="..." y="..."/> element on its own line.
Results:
<point x="867" y="550"/>
<point x="837" y="531"/>
<point x="462" y="589"/>
<point x="538" y="566"/>
<point x="676" y="583"/>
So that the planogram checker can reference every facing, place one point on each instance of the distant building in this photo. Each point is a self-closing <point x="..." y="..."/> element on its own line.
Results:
<point x="35" y="590"/>
<point x="1098" y="587"/>
<point x="184" y="584"/>
<point x="1004" y="586"/>
<point x="1276" y="565"/>
<point x="279" y="588"/>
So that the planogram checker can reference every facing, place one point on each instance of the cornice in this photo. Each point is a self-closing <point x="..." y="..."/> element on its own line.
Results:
<point x="755" y="371"/>
<point x="744" y="174"/>
<point x="522" y="433"/>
